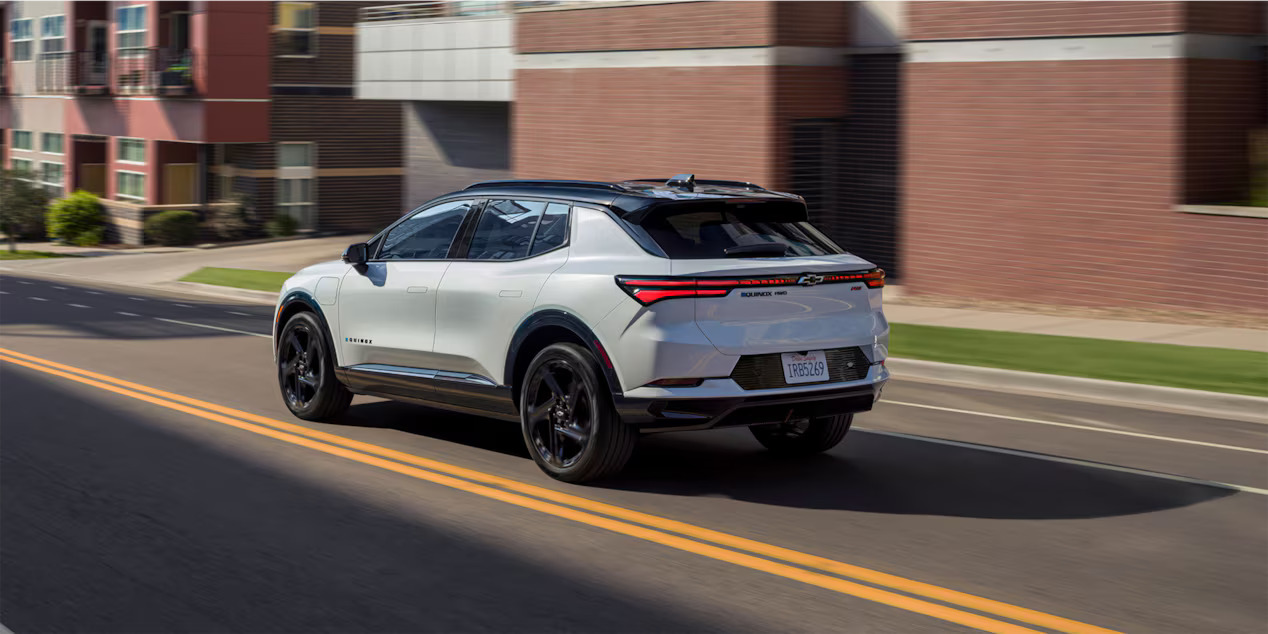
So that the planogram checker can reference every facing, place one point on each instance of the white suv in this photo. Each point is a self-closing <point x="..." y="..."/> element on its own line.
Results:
<point x="593" y="312"/>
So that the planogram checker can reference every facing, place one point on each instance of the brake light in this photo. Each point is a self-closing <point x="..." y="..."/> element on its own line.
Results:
<point x="649" y="290"/>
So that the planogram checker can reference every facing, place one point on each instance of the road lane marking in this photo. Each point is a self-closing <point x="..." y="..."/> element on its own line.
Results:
<point x="182" y="305"/>
<point x="39" y="299"/>
<point x="1053" y="423"/>
<point x="60" y="288"/>
<point x="137" y="299"/>
<point x="1072" y="461"/>
<point x="190" y="323"/>
<point x="441" y="473"/>
<point x="234" y="312"/>
<point x="4" y="292"/>
<point x="126" y="314"/>
<point x="25" y="282"/>
<point x="93" y="292"/>
<point x="79" y="306"/>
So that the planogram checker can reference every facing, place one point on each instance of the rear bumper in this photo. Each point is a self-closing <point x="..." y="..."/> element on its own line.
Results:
<point x="683" y="414"/>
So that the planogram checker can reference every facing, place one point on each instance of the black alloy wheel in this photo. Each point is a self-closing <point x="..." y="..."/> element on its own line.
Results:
<point x="569" y="424"/>
<point x="305" y="371"/>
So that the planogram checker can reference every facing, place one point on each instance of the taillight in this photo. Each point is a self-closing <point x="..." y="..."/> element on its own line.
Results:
<point x="649" y="290"/>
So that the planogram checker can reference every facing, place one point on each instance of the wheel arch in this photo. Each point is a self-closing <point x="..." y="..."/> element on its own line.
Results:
<point x="544" y="328"/>
<point x="301" y="301"/>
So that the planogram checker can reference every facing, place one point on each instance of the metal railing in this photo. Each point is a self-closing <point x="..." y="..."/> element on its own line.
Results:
<point x="65" y="72"/>
<point x="154" y="71"/>
<point x="431" y="10"/>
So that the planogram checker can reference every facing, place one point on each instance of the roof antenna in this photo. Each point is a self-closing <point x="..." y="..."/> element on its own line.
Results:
<point x="685" y="182"/>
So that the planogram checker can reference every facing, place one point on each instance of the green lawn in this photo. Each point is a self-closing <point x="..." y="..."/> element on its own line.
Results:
<point x="1213" y="369"/>
<point x="239" y="278"/>
<point x="6" y="254"/>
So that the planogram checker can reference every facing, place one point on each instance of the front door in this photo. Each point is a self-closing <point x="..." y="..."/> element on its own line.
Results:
<point x="179" y="182"/>
<point x="387" y="309"/>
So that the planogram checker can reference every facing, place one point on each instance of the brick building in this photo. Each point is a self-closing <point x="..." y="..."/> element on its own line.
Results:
<point x="1058" y="152"/>
<point x="177" y="105"/>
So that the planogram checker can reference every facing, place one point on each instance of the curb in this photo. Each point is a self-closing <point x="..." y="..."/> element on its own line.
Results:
<point x="228" y="292"/>
<point x="1253" y="409"/>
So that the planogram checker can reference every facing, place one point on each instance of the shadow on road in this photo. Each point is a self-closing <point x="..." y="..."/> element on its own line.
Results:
<point x="868" y="473"/>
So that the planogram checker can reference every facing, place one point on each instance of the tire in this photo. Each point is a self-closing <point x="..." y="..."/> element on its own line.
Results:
<point x="569" y="423"/>
<point x="306" y="371"/>
<point x="805" y="437"/>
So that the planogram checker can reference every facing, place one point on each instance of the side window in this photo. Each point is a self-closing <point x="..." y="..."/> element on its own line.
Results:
<point x="505" y="230"/>
<point x="427" y="234"/>
<point x="552" y="232"/>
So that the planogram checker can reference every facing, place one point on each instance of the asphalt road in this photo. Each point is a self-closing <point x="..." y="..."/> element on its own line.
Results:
<point x="127" y="507"/>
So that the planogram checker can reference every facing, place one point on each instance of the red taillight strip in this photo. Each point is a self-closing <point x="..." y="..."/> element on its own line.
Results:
<point x="648" y="290"/>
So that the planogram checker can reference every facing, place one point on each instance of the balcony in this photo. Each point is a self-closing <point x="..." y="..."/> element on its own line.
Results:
<point x="154" y="71"/>
<point x="73" y="72"/>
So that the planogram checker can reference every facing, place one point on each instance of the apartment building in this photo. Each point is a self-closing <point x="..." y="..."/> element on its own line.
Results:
<point x="183" y="105"/>
<point x="1073" y="153"/>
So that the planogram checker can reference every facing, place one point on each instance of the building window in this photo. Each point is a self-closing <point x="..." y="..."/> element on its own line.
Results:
<point x="53" y="34"/>
<point x="51" y="177"/>
<point x="131" y="30"/>
<point x="295" y="182"/>
<point x="132" y="150"/>
<point x="20" y="33"/>
<point x="22" y="140"/>
<point x="52" y="142"/>
<point x="297" y="29"/>
<point x="22" y="165"/>
<point x="129" y="186"/>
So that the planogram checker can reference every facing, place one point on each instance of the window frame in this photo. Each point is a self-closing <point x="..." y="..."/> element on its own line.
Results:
<point x="119" y="32"/>
<point x="46" y="184"/>
<point x="44" y="137"/>
<point x="29" y="39"/>
<point x="119" y="150"/>
<point x="29" y="169"/>
<point x="43" y="38"/>
<point x="474" y="222"/>
<point x="296" y="173"/>
<point x="119" y="195"/>
<point x="30" y="141"/>
<point x="278" y="28"/>
<point x="459" y="239"/>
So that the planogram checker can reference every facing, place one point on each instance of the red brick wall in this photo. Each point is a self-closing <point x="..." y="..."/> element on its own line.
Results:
<point x="951" y="20"/>
<point x="641" y="27"/>
<point x="1225" y="17"/>
<point x="1056" y="182"/>
<point x="812" y="23"/>
<point x="607" y="124"/>
<point x="1224" y="100"/>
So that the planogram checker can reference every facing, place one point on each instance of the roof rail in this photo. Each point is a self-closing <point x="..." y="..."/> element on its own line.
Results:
<point x="740" y="184"/>
<point x="546" y="183"/>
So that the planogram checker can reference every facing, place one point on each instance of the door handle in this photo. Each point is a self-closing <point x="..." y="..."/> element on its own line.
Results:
<point x="416" y="289"/>
<point x="510" y="293"/>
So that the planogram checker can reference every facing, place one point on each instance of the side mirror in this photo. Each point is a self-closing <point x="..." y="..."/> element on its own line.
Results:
<point x="356" y="254"/>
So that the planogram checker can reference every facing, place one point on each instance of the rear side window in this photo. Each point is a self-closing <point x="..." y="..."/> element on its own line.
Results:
<point x="552" y="231"/>
<point x="427" y="234"/>
<point x="706" y="232"/>
<point x="515" y="229"/>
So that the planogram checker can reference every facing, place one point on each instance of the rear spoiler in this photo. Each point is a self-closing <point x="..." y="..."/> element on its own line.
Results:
<point x="638" y="209"/>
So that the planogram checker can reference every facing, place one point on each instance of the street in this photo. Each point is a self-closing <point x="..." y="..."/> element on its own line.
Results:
<point x="153" y="481"/>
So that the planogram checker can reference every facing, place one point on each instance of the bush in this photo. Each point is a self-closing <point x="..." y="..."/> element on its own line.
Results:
<point x="282" y="225"/>
<point x="77" y="214"/>
<point x="22" y="207"/>
<point x="234" y="221"/>
<point x="172" y="228"/>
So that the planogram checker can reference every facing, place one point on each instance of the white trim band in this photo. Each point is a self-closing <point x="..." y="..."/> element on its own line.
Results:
<point x="686" y="58"/>
<point x="1177" y="46"/>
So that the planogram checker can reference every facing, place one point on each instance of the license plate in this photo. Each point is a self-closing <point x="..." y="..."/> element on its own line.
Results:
<point x="805" y="368"/>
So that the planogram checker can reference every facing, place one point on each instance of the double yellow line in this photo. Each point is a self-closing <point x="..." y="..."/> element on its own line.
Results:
<point x="895" y="591"/>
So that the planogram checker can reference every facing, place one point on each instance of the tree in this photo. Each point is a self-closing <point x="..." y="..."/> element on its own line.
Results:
<point x="22" y="205"/>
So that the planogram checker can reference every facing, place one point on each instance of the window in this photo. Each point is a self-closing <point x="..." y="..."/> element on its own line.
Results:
<point x="696" y="231"/>
<point x="132" y="150"/>
<point x="130" y="186"/>
<point x="22" y="140"/>
<point x="506" y="229"/>
<point x="21" y="35"/>
<point x="131" y="30"/>
<point x="22" y="165"/>
<point x="52" y="142"/>
<point x="295" y="182"/>
<point x="297" y="29"/>
<point x="53" y="34"/>
<point x="51" y="177"/>
<point x="426" y="235"/>
<point x="552" y="231"/>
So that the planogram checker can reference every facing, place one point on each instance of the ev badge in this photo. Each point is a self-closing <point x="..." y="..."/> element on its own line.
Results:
<point x="809" y="279"/>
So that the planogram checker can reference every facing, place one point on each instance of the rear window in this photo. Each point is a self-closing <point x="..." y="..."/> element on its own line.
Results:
<point x="706" y="232"/>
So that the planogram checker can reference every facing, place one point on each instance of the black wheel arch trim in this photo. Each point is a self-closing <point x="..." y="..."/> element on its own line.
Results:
<point x="559" y="318"/>
<point x="304" y="297"/>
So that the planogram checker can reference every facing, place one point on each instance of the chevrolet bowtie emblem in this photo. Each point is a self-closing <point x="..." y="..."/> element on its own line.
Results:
<point x="809" y="279"/>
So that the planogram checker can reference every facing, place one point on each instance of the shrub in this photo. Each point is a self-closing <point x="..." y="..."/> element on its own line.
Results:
<point x="91" y="237"/>
<point x="282" y="225"/>
<point x="233" y="221"/>
<point x="76" y="214"/>
<point x="172" y="228"/>
<point x="22" y="207"/>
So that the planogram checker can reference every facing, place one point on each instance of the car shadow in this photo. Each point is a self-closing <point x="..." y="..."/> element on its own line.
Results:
<point x="869" y="473"/>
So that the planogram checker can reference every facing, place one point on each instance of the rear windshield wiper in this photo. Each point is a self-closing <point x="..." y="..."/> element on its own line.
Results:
<point x="770" y="250"/>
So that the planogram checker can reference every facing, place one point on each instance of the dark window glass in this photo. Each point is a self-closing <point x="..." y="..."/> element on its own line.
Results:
<point x="427" y="234"/>
<point x="705" y="232"/>
<point x="505" y="230"/>
<point x="552" y="232"/>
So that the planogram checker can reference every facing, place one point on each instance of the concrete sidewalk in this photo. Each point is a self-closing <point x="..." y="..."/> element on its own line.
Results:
<point x="163" y="266"/>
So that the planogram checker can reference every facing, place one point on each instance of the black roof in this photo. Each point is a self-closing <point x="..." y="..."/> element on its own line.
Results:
<point x="633" y="198"/>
